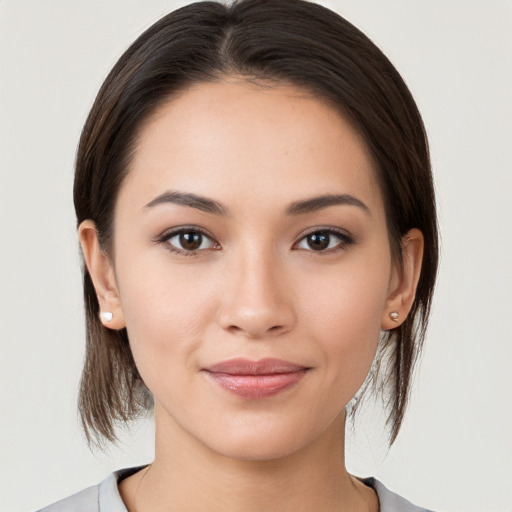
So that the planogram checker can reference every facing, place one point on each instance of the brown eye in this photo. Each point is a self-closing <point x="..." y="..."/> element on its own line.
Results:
<point x="189" y="241"/>
<point x="324" y="241"/>
<point x="318" y="241"/>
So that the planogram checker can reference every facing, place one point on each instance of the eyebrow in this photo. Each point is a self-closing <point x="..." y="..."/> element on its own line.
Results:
<point x="187" y="199"/>
<point x="296" y="208"/>
<point x="317" y="203"/>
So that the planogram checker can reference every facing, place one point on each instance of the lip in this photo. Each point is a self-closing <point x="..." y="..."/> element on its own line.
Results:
<point x="256" y="379"/>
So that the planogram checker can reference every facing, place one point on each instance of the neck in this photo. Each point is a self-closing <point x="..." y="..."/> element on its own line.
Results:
<point x="186" y="475"/>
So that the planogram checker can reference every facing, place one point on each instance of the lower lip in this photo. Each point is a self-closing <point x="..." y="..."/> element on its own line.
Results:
<point x="257" y="386"/>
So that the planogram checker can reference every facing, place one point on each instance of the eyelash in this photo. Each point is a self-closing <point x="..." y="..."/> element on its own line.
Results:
<point x="165" y="237"/>
<point x="345" y="240"/>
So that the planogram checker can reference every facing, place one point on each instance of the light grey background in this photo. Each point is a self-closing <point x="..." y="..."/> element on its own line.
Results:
<point x="455" y="450"/>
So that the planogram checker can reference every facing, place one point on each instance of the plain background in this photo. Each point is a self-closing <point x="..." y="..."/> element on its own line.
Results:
<point x="455" y="450"/>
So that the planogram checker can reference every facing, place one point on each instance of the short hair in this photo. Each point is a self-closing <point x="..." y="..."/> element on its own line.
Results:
<point x="293" y="42"/>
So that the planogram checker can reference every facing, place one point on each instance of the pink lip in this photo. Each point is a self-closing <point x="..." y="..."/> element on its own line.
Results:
<point x="256" y="379"/>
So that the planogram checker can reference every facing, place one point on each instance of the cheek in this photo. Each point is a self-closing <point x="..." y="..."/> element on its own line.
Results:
<point x="165" y="316"/>
<point x="346" y="322"/>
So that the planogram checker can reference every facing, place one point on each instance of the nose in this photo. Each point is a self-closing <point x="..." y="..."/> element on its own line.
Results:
<point x="257" y="296"/>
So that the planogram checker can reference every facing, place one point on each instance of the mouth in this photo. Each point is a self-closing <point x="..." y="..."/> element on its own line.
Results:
<point x="256" y="379"/>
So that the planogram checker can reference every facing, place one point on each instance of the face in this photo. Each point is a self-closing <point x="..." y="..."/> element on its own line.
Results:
<point x="252" y="266"/>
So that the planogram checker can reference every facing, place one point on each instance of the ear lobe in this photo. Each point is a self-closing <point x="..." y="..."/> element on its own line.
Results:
<point x="405" y="281"/>
<point x="102" y="274"/>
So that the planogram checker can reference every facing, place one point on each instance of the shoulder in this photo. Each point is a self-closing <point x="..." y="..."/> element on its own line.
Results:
<point x="86" y="500"/>
<point x="103" y="497"/>
<point x="390" y="501"/>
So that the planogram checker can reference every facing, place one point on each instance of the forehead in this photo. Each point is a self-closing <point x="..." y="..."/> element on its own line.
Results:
<point x="236" y="140"/>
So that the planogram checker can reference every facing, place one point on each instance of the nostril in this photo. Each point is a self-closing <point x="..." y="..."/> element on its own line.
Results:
<point x="235" y="329"/>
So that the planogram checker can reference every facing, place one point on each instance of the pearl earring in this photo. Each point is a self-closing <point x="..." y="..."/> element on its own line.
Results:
<point x="394" y="316"/>
<point x="107" y="316"/>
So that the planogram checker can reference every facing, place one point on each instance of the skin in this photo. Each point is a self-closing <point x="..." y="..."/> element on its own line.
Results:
<point x="255" y="288"/>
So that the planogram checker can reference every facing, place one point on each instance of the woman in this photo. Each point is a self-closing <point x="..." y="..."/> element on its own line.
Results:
<point x="256" y="213"/>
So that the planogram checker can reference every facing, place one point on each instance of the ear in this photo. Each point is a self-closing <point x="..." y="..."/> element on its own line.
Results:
<point x="404" y="281"/>
<point x="102" y="274"/>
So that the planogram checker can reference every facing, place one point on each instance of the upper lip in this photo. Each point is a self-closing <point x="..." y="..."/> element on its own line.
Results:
<point x="265" y="366"/>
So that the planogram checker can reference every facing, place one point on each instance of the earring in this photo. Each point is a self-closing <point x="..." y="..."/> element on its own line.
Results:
<point x="394" y="316"/>
<point x="107" y="316"/>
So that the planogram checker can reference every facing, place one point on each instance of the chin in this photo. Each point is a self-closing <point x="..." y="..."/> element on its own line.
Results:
<point x="260" y="441"/>
<point x="258" y="449"/>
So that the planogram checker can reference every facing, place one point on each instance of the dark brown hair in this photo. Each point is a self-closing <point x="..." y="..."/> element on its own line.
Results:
<point x="285" y="41"/>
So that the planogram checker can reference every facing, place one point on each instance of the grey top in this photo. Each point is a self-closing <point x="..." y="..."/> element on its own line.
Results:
<point x="105" y="497"/>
